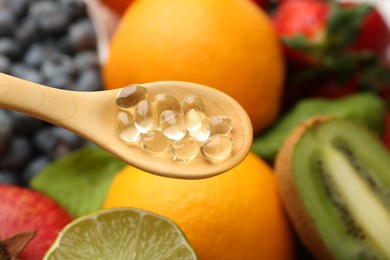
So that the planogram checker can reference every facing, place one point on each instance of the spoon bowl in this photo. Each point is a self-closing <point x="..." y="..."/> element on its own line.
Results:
<point x="93" y="115"/>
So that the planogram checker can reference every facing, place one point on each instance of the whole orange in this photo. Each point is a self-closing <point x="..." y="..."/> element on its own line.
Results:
<point x="235" y="215"/>
<point x="229" y="45"/>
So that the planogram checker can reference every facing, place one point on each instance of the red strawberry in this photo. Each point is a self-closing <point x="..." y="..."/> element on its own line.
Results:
<point x="374" y="34"/>
<point x="319" y="33"/>
<point x="301" y="23"/>
<point x="24" y="210"/>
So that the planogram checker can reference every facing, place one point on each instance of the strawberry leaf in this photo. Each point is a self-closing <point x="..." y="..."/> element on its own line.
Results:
<point x="298" y="42"/>
<point x="344" y="24"/>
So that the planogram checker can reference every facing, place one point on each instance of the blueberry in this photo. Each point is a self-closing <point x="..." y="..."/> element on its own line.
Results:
<point x="74" y="9"/>
<point x="7" y="21"/>
<point x="58" y="65"/>
<point x="17" y="155"/>
<point x="89" y="80"/>
<point x="25" y="125"/>
<point x="86" y="60"/>
<point x="9" y="47"/>
<point x="37" y="53"/>
<point x="61" y="82"/>
<point x="19" y="7"/>
<point x="8" y="177"/>
<point x="5" y="64"/>
<point x="55" y="142"/>
<point x="27" y="32"/>
<point x="27" y="73"/>
<point x="81" y="36"/>
<point x="49" y="16"/>
<point x="34" y="167"/>
<point x="5" y="130"/>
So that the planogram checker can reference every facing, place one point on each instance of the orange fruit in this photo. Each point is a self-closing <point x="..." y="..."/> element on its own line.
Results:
<point x="235" y="215"/>
<point x="229" y="45"/>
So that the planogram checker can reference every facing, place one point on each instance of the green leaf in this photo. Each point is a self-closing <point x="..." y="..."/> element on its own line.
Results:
<point x="80" y="181"/>
<point x="299" y="42"/>
<point x="344" y="24"/>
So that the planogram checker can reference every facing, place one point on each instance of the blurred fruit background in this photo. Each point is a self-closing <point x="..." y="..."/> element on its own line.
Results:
<point x="284" y="61"/>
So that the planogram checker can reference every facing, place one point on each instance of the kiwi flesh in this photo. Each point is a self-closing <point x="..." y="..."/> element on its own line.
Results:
<point x="334" y="179"/>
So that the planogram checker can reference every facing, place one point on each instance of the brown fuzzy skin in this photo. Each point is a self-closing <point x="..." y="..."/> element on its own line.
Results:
<point x="301" y="221"/>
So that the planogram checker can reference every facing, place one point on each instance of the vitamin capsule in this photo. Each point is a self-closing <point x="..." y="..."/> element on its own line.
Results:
<point x="131" y="96"/>
<point x="196" y="124"/>
<point x="184" y="150"/>
<point x="220" y="125"/>
<point x="144" y="116"/>
<point x="164" y="102"/>
<point x="217" y="147"/>
<point x="127" y="131"/>
<point x="155" y="142"/>
<point x="172" y="125"/>
<point x="193" y="102"/>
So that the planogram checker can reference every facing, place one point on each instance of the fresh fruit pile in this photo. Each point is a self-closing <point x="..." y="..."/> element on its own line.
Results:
<point x="51" y="43"/>
<point x="314" y="77"/>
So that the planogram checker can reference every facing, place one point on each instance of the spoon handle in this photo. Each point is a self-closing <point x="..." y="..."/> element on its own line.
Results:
<point x="49" y="104"/>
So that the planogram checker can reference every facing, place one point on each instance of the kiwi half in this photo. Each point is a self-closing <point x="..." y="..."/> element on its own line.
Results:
<point x="334" y="179"/>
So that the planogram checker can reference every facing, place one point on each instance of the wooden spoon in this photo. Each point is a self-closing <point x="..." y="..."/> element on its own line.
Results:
<point x="92" y="115"/>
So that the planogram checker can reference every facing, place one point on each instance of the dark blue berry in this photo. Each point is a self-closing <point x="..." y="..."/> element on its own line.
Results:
<point x="34" y="167"/>
<point x="9" y="177"/>
<point x="17" y="155"/>
<point x="7" y="21"/>
<point x="5" y="64"/>
<point x="49" y="16"/>
<point x="27" y="73"/>
<point x="37" y="53"/>
<point x="58" y="65"/>
<point x="27" y="32"/>
<point x="86" y="60"/>
<point x="89" y="80"/>
<point x="5" y="130"/>
<point x="61" y="82"/>
<point x="74" y="9"/>
<point x="55" y="142"/>
<point x="81" y="36"/>
<point x="19" y="7"/>
<point x="25" y="125"/>
<point x="10" y="48"/>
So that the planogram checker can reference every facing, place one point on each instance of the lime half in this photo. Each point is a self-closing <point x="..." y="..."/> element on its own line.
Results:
<point x="121" y="233"/>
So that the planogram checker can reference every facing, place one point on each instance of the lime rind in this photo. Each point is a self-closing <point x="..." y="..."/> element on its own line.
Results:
<point x="121" y="233"/>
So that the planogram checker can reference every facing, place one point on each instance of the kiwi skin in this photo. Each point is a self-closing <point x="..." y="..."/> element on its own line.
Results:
<point x="290" y="195"/>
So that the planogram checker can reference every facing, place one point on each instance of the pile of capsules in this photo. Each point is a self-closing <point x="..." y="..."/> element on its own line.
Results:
<point x="165" y="124"/>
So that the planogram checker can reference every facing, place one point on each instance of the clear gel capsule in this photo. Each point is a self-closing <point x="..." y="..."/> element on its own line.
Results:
<point x="217" y="147"/>
<point x="172" y="125"/>
<point x="131" y="96"/>
<point x="220" y="125"/>
<point x="127" y="131"/>
<point x="184" y="150"/>
<point x="164" y="102"/>
<point x="144" y="116"/>
<point x="154" y="142"/>
<point x="197" y="125"/>
<point x="192" y="102"/>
